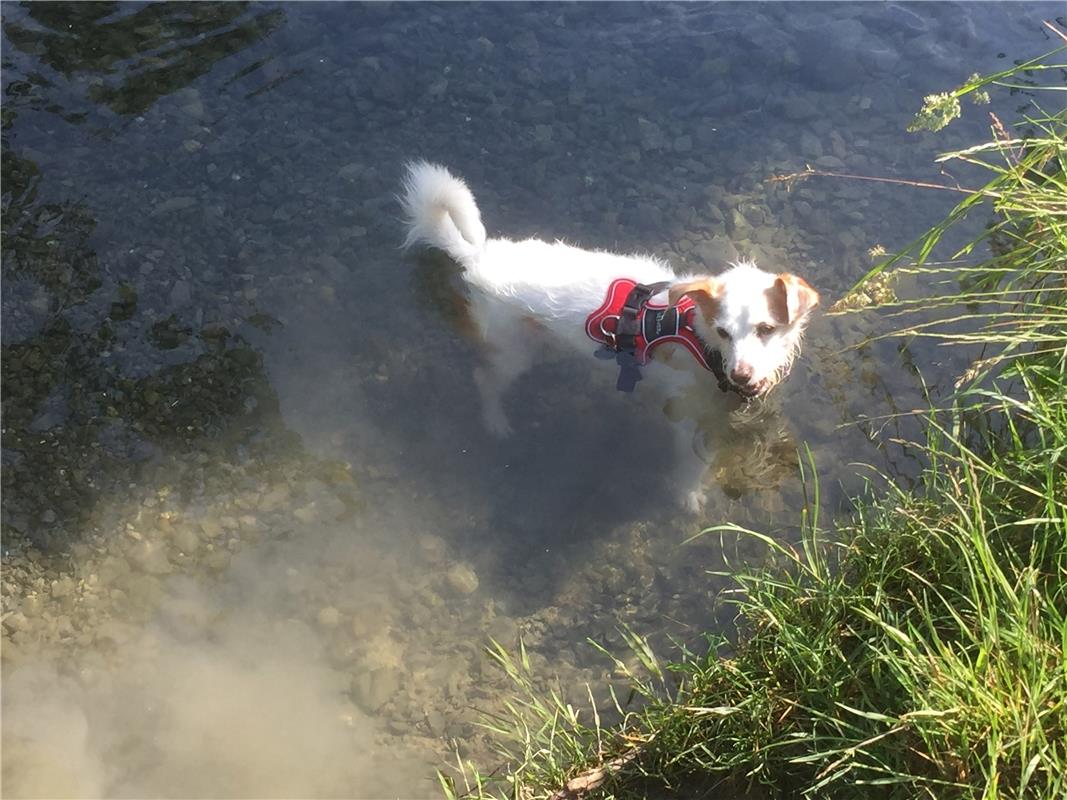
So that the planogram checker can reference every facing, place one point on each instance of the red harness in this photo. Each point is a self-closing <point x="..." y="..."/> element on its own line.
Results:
<point x="656" y="324"/>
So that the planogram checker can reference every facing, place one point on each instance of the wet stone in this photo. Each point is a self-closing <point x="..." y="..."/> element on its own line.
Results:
<point x="186" y="540"/>
<point x="194" y="107"/>
<point x="32" y="606"/>
<point x="150" y="557"/>
<point x="829" y="162"/>
<point x="830" y="53"/>
<point x="368" y="621"/>
<point x="329" y="617"/>
<point x="810" y="146"/>
<point x="432" y="547"/>
<point x="503" y="630"/>
<point x="111" y="569"/>
<point x="652" y="136"/>
<point x="275" y="498"/>
<point x="798" y="108"/>
<point x="181" y="293"/>
<point x="173" y="204"/>
<point x="63" y="626"/>
<point x="737" y="223"/>
<point x="715" y="253"/>
<point x="217" y="560"/>
<point x="526" y="43"/>
<point x="352" y="171"/>
<point x="462" y="578"/>
<point x="435" y="721"/>
<point x="114" y="632"/>
<point x="307" y="514"/>
<point x="211" y="528"/>
<point x="62" y="587"/>
<point x="372" y="690"/>
<point x="837" y="145"/>
<point x="17" y="622"/>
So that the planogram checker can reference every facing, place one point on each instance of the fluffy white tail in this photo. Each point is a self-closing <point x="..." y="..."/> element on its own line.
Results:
<point x="440" y="211"/>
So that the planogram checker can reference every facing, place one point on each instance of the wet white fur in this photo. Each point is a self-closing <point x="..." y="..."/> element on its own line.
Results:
<point x="557" y="286"/>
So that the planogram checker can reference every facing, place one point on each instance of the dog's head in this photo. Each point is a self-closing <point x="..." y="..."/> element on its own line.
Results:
<point x="755" y="319"/>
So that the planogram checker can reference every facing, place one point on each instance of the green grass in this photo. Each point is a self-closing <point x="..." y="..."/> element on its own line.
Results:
<point x="919" y="647"/>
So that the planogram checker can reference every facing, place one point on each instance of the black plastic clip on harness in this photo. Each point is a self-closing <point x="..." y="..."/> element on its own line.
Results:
<point x="626" y="330"/>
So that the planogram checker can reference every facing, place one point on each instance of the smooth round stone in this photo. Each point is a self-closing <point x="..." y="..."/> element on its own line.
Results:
<point x="329" y="617"/>
<point x="462" y="578"/>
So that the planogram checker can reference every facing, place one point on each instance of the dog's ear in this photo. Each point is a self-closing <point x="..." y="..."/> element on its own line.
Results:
<point x="791" y="298"/>
<point x="705" y="291"/>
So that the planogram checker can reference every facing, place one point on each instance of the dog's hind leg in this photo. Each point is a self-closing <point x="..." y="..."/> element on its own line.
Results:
<point x="508" y="354"/>
<point x="493" y="379"/>
<point x="491" y="388"/>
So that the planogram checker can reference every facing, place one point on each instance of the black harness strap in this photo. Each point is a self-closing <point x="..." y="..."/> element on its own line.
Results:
<point x="629" y="325"/>
<point x="714" y="358"/>
<point x="626" y="330"/>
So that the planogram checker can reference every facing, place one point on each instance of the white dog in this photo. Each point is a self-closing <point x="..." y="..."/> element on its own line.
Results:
<point x="747" y="322"/>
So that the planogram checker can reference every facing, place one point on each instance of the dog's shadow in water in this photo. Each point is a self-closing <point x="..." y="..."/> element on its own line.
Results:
<point x="572" y="481"/>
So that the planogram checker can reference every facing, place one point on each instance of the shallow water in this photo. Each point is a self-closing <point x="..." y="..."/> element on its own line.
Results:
<point x="255" y="537"/>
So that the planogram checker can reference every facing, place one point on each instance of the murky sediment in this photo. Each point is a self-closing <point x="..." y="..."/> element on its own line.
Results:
<point x="255" y="539"/>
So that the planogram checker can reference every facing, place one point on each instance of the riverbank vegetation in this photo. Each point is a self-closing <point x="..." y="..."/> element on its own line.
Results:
<point x="916" y="648"/>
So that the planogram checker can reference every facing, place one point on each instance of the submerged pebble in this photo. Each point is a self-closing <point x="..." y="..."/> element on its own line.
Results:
<point x="371" y="690"/>
<point x="329" y="617"/>
<point x="151" y="557"/>
<point x="462" y="578"/>
<point x="432" y="547"/>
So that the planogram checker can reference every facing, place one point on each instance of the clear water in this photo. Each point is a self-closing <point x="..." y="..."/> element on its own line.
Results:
<point x="255" y="538"/>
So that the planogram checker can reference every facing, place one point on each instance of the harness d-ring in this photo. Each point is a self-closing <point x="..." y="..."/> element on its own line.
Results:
<point x="606" y="333"/>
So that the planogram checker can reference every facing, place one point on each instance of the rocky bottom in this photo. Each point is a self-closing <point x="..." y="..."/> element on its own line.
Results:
<point x="274" y="634"/>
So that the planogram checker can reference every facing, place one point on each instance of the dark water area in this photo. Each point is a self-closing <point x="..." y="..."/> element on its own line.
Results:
<point x="254" y="534"/>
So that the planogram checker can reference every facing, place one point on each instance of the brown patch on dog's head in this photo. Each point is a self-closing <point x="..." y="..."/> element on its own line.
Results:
<point x="705" y="293"/>
<point x="791" y="298"/>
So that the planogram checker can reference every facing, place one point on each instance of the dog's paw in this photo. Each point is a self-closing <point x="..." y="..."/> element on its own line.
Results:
<point x="694" y="501"/>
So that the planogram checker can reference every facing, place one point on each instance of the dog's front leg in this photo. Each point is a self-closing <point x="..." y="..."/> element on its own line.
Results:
<point x="680" y="400"/>
<point x="690" y="467"/>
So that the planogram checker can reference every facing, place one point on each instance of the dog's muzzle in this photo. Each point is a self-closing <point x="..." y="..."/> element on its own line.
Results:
<point x="750" y="391"/>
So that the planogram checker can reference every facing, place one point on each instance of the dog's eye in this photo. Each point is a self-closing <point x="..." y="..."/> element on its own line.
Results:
<point x="763" y="329"/>
<point x="723" y="333"/>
